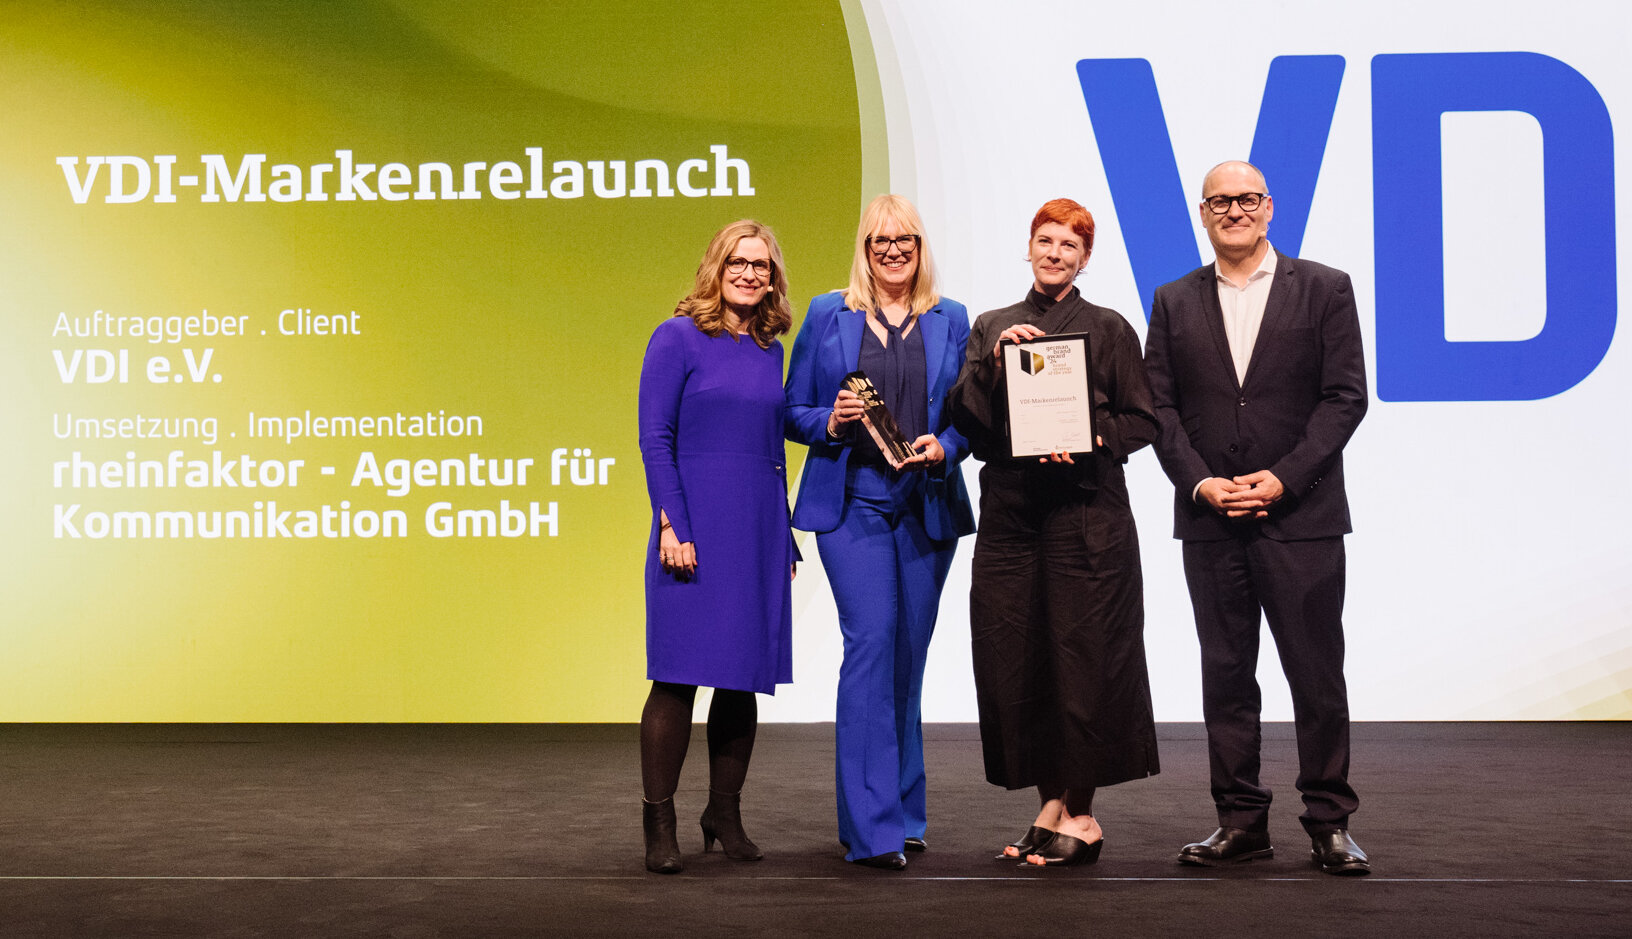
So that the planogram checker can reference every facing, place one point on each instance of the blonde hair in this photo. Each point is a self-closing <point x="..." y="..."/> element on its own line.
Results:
<point x="862" y="294"/>
<point x="771" y="318"/>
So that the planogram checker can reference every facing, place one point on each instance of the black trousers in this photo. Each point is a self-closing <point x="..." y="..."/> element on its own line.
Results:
<point x="1297" y="586"/>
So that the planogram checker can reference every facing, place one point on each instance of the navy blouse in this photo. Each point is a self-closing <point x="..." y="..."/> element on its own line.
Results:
<point x="899" y="372"/>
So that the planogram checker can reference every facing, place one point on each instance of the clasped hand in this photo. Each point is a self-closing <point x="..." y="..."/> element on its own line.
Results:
<point x="1248" y="496"/>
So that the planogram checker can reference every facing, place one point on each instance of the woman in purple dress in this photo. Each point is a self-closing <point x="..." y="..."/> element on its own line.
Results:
<point x="719" y="608"/>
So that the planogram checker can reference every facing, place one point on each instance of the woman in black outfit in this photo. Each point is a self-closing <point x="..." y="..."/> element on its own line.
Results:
<point x="1056" y="600"/>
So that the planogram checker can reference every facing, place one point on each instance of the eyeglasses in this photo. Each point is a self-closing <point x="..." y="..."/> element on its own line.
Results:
<point x="906" y="244"/>
<point x="736" y="265"/>
<point x="1249" y="201"/>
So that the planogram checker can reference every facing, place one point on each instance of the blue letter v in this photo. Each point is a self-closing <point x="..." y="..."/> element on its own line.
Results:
<point x="1300" y="97"/>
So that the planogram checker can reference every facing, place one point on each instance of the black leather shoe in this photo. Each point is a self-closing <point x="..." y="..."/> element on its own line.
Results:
<point x="1227" y="846"/>
<point x="1065" y="850"/>
<point x="889" y="861"/>
<point x="1336" y="853"/>
<point x="916" y="844"/>
<point x="1030" y="843"/>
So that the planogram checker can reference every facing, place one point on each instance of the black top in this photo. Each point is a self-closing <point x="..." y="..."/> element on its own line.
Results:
<point x="1123" y="415"/>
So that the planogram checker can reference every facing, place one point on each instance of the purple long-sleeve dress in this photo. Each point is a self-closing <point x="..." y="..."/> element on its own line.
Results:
<point x="711" y="441"/>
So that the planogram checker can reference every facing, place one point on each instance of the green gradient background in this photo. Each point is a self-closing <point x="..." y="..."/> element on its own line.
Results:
<point x="531" y="313"/>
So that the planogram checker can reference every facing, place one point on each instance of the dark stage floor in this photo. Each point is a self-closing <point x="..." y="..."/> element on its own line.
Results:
<point x="475" y="830"/>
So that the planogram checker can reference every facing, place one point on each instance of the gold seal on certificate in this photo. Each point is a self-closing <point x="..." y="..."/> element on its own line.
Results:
<point x="1048" y="383"/>
<point x="876" y="417"/>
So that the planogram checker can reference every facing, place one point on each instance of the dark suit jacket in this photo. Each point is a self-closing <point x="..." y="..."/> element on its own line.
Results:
<point x="827" y="349"/>
<point x="1304" y="394"/>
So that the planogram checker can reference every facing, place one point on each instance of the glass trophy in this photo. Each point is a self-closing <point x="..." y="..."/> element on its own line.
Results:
<point x="876" y="417"/>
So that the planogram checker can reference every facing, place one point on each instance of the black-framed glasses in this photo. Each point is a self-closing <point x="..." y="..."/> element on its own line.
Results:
<point x="737" y="264"/>
<point x="1248" y="201"/>
<point x="906" y="244"/>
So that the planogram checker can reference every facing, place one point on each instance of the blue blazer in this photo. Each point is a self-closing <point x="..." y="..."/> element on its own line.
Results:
<point x="827" y="349"/>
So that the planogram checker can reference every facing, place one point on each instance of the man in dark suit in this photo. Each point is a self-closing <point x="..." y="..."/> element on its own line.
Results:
<point x="1259" y="380"/>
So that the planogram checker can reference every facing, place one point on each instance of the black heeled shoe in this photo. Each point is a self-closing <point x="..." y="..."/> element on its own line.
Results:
<point x="1030" y="843"/>
<point x="888" y="861"/>
<point x="723" y="819"/>
<point x="1065" y="851"/>
<point x="662" y="847"/>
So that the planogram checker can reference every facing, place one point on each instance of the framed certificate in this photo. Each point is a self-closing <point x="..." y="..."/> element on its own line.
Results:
<point x="1049" y="386"/>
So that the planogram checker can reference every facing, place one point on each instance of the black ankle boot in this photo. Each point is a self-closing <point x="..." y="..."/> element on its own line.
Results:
<point x="723" y="818"/>
<point x="662" y="847"/>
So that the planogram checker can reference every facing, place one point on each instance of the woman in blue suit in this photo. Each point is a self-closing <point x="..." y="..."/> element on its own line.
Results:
<point x="885" y="535"/>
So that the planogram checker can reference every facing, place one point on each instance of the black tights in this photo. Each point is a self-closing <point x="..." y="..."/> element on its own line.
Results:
<point x="665" y="733"/>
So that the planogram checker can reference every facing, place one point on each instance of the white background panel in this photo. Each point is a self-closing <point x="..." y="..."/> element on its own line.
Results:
<point x="1489" y="576"/>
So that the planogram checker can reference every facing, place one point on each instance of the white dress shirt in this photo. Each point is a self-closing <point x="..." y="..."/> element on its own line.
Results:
<point x="1243" y="306"/>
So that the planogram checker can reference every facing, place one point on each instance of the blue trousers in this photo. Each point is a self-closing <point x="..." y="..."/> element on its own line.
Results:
<point x="887" y="576"/>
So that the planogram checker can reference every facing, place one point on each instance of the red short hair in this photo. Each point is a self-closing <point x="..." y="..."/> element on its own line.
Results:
<point x="1069" y="213"/>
